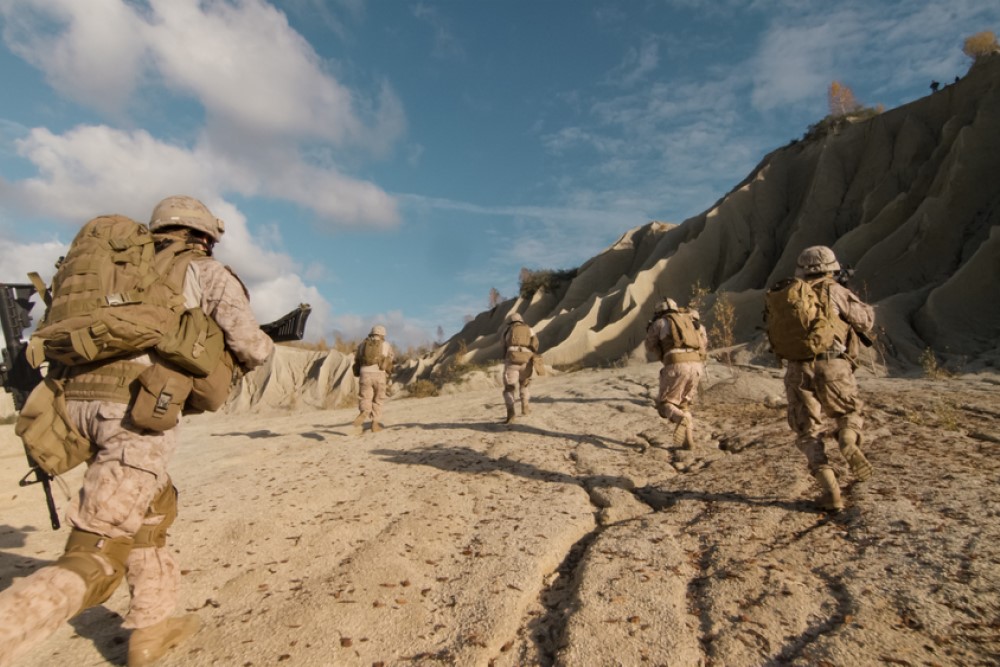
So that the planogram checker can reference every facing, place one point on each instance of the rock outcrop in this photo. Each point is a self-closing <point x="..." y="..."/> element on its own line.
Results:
<point x="907" y="197"/>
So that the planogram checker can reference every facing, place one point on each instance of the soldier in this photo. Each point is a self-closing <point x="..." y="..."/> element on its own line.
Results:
<point x="121" y="515"/>
<point x="825" y="383"/>
<point x="372" y="365"/>
<point x="677" y="338"/>
<point x="520" y="345"/>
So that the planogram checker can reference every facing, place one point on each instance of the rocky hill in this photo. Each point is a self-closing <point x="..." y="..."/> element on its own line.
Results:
<point x="908" y="197"/>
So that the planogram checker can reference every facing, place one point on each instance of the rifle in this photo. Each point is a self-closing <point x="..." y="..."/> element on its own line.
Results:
<point x="291" y="326"/>
<point x="19" y="378"/>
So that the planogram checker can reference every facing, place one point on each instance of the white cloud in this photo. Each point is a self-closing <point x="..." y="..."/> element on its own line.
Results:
<point x="265" y="94"/>
<point x="401" y="331"/>
<point x="91" y="51"/>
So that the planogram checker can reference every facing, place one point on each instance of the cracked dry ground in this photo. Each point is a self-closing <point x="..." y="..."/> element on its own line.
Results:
<point x="579" y="535"/>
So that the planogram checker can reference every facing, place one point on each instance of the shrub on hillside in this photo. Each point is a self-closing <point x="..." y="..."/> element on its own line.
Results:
<point x="981" y="44"/>
<point x="532" y="281"/>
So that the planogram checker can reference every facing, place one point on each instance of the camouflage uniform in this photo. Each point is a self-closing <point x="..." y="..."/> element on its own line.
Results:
<point x="516" y="376"/>
<point x="827" y="386"/>
<point x="373" y="380"/>
<point x="679" y="381"/>
<point x="123" y="480"/>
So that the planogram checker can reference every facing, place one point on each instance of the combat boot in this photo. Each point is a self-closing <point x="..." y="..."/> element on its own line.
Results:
<point x="829" y="499"/>
<point x="689" y="433"/>
<point x="376" y="427"/>
<point x="147" y="645"/>
<point x="359" y="420"/>
<point x="510" y="415"/>
<point x="682" y="432"/>
<point x="848" y="440"/>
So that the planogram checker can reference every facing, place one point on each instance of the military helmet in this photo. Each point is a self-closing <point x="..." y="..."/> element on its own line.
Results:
<point x="516" y="317"/>
<point x="816" y="259"/>
<point x="666" y="306"/>
<point x="183" y="211"/>
<point x="378" y="330"/>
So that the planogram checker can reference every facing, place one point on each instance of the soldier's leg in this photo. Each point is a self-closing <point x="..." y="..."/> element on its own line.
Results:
<point x="154" y="582"/>
<point x="366" y="394"/>
<point x="151" y="572"/>
<point x="805" y="417"/>
<point x="693" y="371"/>
<point x="670" y="402"/>
<point x="525" y="383"/>
<point x="849" y="440"/>
<point x="378" y="401"/>
<point x="837" y="390"/>
<point x="34" y="607"/>
<point x="510" y="380"/>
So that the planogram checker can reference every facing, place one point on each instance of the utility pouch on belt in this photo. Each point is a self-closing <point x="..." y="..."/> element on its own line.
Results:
<point x="520" y="355"/>
<point x="160" y="398"/>
<point x="210" y="392"/>
<point x="196" y="345"/>
<point x="47" y="432"/>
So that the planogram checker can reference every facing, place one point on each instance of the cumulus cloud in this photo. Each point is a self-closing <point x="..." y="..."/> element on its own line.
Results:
<point x="92" y="51"/>
<point x="265" y="93"/>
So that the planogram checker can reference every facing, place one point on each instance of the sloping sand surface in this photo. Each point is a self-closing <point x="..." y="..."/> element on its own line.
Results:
<point x="573" y="537"/>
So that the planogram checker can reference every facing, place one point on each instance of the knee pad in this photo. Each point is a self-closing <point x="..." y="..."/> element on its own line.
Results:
<point x="91" y="556"/>
<point x="510" y="388"/>
<point x="155" y="534"/>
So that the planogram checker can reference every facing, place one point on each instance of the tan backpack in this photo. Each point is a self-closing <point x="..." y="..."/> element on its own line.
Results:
<point x="683" y="331"/>
<point x="114" y="295"/>
<point x="800" y="318"/>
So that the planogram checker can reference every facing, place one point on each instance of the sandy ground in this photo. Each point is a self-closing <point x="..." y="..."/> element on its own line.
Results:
<point x="575" y="536"/>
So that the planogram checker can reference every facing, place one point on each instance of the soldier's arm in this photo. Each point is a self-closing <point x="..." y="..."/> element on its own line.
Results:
<point x="853" y="310"/>
<point x="225" y="300"/>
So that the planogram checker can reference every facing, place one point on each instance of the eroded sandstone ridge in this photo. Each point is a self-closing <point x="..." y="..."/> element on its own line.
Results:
<point x="909" y="198"/>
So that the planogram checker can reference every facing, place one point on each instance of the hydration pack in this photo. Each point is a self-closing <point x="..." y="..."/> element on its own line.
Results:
<point x="800" y="317"/>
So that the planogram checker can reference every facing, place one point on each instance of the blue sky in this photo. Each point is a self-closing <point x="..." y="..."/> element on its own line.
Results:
<point x="391" y="161"/>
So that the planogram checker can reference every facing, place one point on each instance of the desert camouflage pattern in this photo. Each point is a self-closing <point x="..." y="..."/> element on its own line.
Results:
<point x="678" y="389"/>
<point x="34" y="607"/>
<point x="826" y="387"/>
<point x="128" y="471"/>
<point x="517" y="377"/>
<point x="222" y="296"/>
<point x="678" y="381"/>
<point x="373" y="383"/>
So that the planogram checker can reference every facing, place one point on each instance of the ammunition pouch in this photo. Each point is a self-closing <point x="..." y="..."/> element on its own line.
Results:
<point x="90" y="556"/>
<point x="210" y="393"/>
<point x="47" y="431"/>
<point x="155" y="534"/>
<point x="159" y="398"/>
<point x="517" y="354"/>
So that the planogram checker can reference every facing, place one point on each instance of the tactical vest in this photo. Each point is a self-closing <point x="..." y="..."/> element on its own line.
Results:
<point x="682" y="334"/>
<point x="520" y="335"/>
<point x="371" y="351"/>
<point x="801" y="319"/>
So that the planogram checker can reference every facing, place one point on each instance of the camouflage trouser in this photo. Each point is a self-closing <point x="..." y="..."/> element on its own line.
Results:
<point x="372" y="393"/>
<point x="516" y="376"/>
<point x="815" y="389"/>
<point x="678" y="388"/>
<point x="124" y="477"/>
